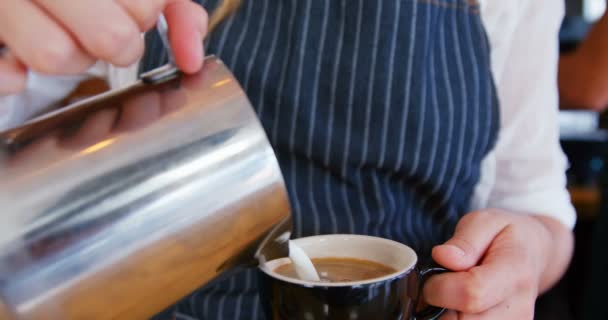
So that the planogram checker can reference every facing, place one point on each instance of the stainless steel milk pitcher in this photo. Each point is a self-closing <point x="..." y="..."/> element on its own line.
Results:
<point x="120" y="205"/>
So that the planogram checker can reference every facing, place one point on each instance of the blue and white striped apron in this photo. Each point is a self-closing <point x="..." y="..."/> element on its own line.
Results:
<point x="380" y="113"/>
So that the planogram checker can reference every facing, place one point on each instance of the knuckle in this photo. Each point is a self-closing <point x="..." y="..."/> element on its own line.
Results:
<point x="146" y="11"/>
<point x="53" y="58"/>
<point x="493" y="217"/>
<point x="493" y="211"/>
<point x="474" y="294"/>
<point x="482" y="214"/>
<point x="525" y="283"/>
<point x="472" y="217"/>
<point x="113" y="40"/>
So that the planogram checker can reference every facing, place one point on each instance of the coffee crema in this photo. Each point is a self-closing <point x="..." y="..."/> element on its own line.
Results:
<point x="335" y="269"/>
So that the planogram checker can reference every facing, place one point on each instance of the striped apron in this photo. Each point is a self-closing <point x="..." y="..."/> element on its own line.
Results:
<point x="380" y="113"/>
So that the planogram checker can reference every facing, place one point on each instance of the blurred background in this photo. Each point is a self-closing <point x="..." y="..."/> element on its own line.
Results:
<point x="584" y="137"/>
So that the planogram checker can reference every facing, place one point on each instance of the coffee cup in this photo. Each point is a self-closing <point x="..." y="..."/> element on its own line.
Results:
<point x="393" y="295"/>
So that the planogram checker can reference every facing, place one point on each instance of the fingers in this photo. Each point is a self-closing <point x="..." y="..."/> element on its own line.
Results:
<point x="66" y="36"/>
<point x="40" y="43"/>
<point x="187" y="28"/>
<point x="143" y="12"/>
<point x="470" y="292"/>
<point x="13" y="75"/>
<point x="502" y="274"/>
<point x="520" y="307"/>
<point x="449" y="315"/>
<point x="474" y="234"/>
<point x="105" y="30"/>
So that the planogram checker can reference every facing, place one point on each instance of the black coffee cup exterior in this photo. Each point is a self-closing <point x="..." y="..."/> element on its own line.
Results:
<point x="389" y="299"/>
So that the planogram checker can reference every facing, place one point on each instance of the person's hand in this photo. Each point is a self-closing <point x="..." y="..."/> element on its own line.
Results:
<point x="501" y="261"/>
<point x="67" y="36"/>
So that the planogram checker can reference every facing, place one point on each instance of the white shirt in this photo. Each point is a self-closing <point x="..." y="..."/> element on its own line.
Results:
<point x="524" y="173"/>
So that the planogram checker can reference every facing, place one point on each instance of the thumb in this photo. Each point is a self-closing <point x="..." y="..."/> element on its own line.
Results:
<point x="472" y="238"/>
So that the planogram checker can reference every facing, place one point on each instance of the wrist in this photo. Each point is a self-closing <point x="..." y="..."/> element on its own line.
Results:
<point x="556" y="244"/>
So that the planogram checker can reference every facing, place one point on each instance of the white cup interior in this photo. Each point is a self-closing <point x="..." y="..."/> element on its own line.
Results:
<point x="387" y="252"/>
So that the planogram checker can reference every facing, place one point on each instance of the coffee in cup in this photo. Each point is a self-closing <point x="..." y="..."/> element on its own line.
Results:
<point x="335" y="269"/>
<point x="362" y="277"/>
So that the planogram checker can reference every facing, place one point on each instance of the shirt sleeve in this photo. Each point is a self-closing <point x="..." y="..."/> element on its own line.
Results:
<point x="40" y="92"/>
<point x="529" y="170"/>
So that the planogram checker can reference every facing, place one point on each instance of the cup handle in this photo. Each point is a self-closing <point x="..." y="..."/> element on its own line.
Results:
<point x="429" y="312"/>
